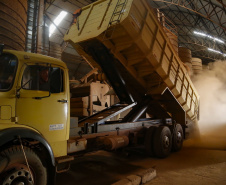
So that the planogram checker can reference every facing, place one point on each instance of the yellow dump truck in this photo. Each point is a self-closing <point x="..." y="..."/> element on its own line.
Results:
<point x="125" y="41"/>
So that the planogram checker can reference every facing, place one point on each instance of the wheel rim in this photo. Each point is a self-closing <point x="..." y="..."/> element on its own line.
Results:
<point x="166" y="142"/>
<point x="18" y="175"/>
<point x="179" y="137"/>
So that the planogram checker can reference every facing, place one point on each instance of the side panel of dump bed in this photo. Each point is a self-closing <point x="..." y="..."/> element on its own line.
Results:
<point x="139" y="42"/>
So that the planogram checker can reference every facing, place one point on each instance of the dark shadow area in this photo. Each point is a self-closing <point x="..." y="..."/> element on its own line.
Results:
<point x="100" y="168"/>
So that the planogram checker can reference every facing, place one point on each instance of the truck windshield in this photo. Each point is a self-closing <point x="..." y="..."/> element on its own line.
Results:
<point x="8" y="65"/>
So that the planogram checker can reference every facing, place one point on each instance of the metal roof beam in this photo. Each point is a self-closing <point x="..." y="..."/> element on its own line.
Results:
<point x="196" y="9"/>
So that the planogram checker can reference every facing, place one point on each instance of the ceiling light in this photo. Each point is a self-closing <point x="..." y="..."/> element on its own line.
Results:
<point x="215" y="51"/>
<point x="56" y="21"/>
<point x="209" y="36"/>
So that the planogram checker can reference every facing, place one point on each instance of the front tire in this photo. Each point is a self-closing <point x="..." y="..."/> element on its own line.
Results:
<point x="14" y="170"/>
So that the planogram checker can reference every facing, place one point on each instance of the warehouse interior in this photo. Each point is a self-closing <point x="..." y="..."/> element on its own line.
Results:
<point x="195" y="29"/>
<point x="199" y="26"/>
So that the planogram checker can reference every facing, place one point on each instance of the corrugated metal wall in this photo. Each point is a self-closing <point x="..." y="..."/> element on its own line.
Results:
<point x="32" y="25"/>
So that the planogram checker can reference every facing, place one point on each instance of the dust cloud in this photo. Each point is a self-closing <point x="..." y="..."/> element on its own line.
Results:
<point x="211" y="86"/>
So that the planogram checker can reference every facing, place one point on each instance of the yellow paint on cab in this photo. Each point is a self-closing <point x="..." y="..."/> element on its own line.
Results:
<point x="46" y="116"/>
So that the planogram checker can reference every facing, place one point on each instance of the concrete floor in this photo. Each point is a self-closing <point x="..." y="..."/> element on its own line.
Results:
<point x="199" y="162"/>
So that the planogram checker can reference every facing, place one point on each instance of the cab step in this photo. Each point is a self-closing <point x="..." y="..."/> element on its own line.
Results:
<point x="63" y="163"/>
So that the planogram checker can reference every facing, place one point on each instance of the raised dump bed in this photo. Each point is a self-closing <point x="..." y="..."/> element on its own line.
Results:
<point x="132" y="33"/>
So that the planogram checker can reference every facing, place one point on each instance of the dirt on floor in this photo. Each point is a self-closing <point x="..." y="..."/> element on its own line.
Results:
<point x="201" y="161"/>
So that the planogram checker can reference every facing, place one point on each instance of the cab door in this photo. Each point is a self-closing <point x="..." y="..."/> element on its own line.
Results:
<point x="46" y="109"/>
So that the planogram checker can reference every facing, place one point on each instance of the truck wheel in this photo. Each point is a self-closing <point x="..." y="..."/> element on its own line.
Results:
<point x="13" y="168"/>
<point x="162" y="142"/>
<point x="149" y="141"/>
<point x="178" y="138"/>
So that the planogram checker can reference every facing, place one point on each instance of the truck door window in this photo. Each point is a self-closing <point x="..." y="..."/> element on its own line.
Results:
<point x="8" y="65"/>
<point x="42" y="78"/>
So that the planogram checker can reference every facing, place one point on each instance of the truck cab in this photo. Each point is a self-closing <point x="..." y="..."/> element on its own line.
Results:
<point x="34" y="107"/>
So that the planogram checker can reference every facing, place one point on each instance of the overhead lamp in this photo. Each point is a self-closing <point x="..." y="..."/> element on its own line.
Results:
<point x="209" y="36"/>
<point x="56" y="22"/>
<point x="216" y="51"/>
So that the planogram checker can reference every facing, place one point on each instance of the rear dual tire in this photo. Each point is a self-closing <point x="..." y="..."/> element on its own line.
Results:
<point x="178" y="138"/>
<point x="160" y="141"/>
